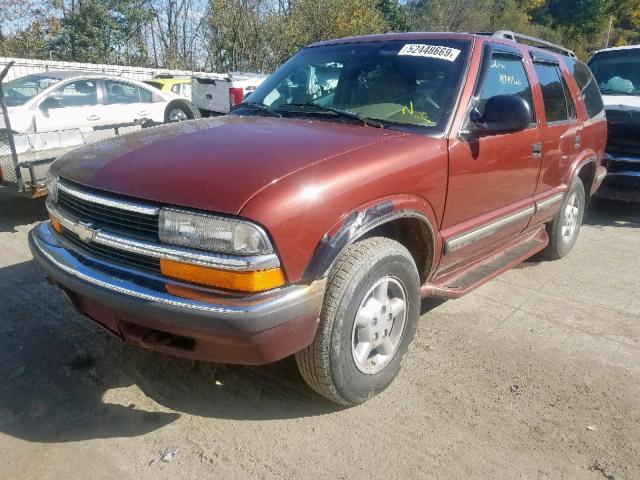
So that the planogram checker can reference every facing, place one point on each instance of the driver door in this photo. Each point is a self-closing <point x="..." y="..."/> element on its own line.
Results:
<point x="492" y="179"/>
<point x="73" y="105"/>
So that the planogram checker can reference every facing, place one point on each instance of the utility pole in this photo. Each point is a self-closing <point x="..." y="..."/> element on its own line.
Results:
<point x="609" y="31"/>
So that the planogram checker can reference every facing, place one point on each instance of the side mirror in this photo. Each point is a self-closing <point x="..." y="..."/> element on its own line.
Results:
<point x="52" y="101"/>
<point x="503" y="114"/>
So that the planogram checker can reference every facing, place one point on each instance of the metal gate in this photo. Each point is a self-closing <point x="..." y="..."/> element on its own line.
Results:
<point x="9" y="171"/>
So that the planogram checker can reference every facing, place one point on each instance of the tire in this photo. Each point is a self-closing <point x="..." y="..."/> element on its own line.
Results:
<point x="188" y="111"/>
<point x="564" y="229"/>
<point x="330" y="365"/>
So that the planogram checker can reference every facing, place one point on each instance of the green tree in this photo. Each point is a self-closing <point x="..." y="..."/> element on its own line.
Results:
<point x="395" y="15"/>
<point x="32" y="42"/>
<point x="101" y="31"/>
<point x="449" y="15"/>
<point x="626" y="24"/>
<point x="585" y="18"/>
<point x="315" y="20"/>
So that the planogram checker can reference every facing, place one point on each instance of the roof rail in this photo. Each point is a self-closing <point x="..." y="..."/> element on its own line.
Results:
<point x="538" y="42"/>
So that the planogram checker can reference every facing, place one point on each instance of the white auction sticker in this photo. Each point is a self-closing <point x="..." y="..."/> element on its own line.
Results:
<point x="431" y="51"/>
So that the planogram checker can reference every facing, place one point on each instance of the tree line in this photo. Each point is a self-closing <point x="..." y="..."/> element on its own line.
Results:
<point x="258" y="35"/>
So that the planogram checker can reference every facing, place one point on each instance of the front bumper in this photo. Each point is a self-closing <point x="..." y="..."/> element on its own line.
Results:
<point x="623" y="179"/>
<point x="145" y="309"/>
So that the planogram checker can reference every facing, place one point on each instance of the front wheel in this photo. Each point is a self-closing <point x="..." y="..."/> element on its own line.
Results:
<point x="368" y="319"/>
<point x="179" y="111"/>
<point x="564" y="229"/>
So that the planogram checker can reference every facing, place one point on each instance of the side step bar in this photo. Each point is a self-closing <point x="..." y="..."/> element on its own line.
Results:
<point x="459" y="283"/>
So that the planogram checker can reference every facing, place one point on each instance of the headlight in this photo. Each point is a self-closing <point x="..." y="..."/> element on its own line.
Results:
<point x="51" y="182"/>
<point x="208" y="232"/>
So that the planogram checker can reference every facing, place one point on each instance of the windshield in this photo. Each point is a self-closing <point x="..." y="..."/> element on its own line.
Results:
<point x="401" y="84"/>
<point x="617" y="72"/>
<point x="20" y="90"/>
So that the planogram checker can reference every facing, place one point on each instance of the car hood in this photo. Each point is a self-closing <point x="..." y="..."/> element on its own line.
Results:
<point x="621" y="102"/>
<point x="212" y="164"/>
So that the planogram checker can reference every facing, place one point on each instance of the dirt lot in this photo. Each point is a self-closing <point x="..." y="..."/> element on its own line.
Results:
<point x="535" y="375"/>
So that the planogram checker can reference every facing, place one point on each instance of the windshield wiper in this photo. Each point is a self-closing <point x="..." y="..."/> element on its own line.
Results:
<point x="343" y="113"/>
<point x="257" y="106"/>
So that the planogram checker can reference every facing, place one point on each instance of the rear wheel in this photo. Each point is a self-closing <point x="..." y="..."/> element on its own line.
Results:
<point x="368" y="320"/>
<point x="564" y="229"/>
<point x="179" y="111"/>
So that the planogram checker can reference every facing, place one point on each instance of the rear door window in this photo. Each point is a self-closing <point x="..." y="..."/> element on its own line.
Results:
<point x="124" y="93"/>
<point x="589" y="90"/>
<point x="558" y="103"/>
<point x="506" y="76"/>
<point x="146" y="96"/>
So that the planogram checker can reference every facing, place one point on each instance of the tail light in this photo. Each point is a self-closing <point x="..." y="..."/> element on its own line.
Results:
<point x="236" y="96"/>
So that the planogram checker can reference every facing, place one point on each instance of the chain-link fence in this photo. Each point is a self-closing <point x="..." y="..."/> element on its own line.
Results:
<point x="8" y="156"/>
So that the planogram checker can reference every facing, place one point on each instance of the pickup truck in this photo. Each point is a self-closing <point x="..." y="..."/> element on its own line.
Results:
<point x="217" y="94"/>
<point x="363" y="175"/>
<point x="617" y="71"/>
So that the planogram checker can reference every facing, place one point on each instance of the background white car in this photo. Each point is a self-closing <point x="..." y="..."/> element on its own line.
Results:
<point x="52" y="101"/>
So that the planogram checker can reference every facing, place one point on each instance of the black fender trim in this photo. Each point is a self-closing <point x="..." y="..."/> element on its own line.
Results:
<point x="355" y="226"/>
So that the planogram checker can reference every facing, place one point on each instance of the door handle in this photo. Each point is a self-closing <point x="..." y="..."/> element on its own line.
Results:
<point x="578" y="142"/>
<point x="537" y="149"/>
<point x="143" y="113"/>
<point x="93" y="118"/>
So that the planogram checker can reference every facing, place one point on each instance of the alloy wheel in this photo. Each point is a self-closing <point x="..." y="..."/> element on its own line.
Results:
<point x="571" y="218"/>
<point x="379" y="325"/>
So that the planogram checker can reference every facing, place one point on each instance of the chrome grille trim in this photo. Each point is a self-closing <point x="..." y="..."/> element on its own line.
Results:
<point x="108" y="202"/>
<point x="108" y="217"/>
<point x="164" y="251"/>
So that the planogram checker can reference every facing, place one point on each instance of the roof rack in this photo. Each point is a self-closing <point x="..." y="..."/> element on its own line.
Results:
<point x="537" y="42"/>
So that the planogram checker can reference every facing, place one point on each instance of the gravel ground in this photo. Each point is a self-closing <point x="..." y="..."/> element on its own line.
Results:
<point x="534" y="375"/>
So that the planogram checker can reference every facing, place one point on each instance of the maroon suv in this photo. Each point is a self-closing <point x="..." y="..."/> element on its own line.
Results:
<point x="364" y="174"/>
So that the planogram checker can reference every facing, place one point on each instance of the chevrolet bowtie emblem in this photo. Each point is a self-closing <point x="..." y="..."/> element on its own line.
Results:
<point x="84" y="231"/>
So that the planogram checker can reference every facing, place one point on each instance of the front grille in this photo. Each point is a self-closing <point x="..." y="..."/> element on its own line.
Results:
<point x="624" y="133"/>
<point x="117" y="220"/>
<point x="616" y="166"/>
<point x="621" y="147"/>
<point x="622" y="183"/>
<point x="128" y="259"/>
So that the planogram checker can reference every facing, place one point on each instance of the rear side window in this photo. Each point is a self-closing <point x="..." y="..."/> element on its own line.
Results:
<point x="145" y="95"/>
<point x="122" y="92"/>
<point x="157" y="85"/>
<point x="506" y="76"/>
<point x="589" y="90"/>
<point x="558" y="103"/>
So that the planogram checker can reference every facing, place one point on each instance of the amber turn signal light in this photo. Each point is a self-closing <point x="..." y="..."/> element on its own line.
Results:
<point x="57" y="226"/>
<point x="257" y="281"/>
